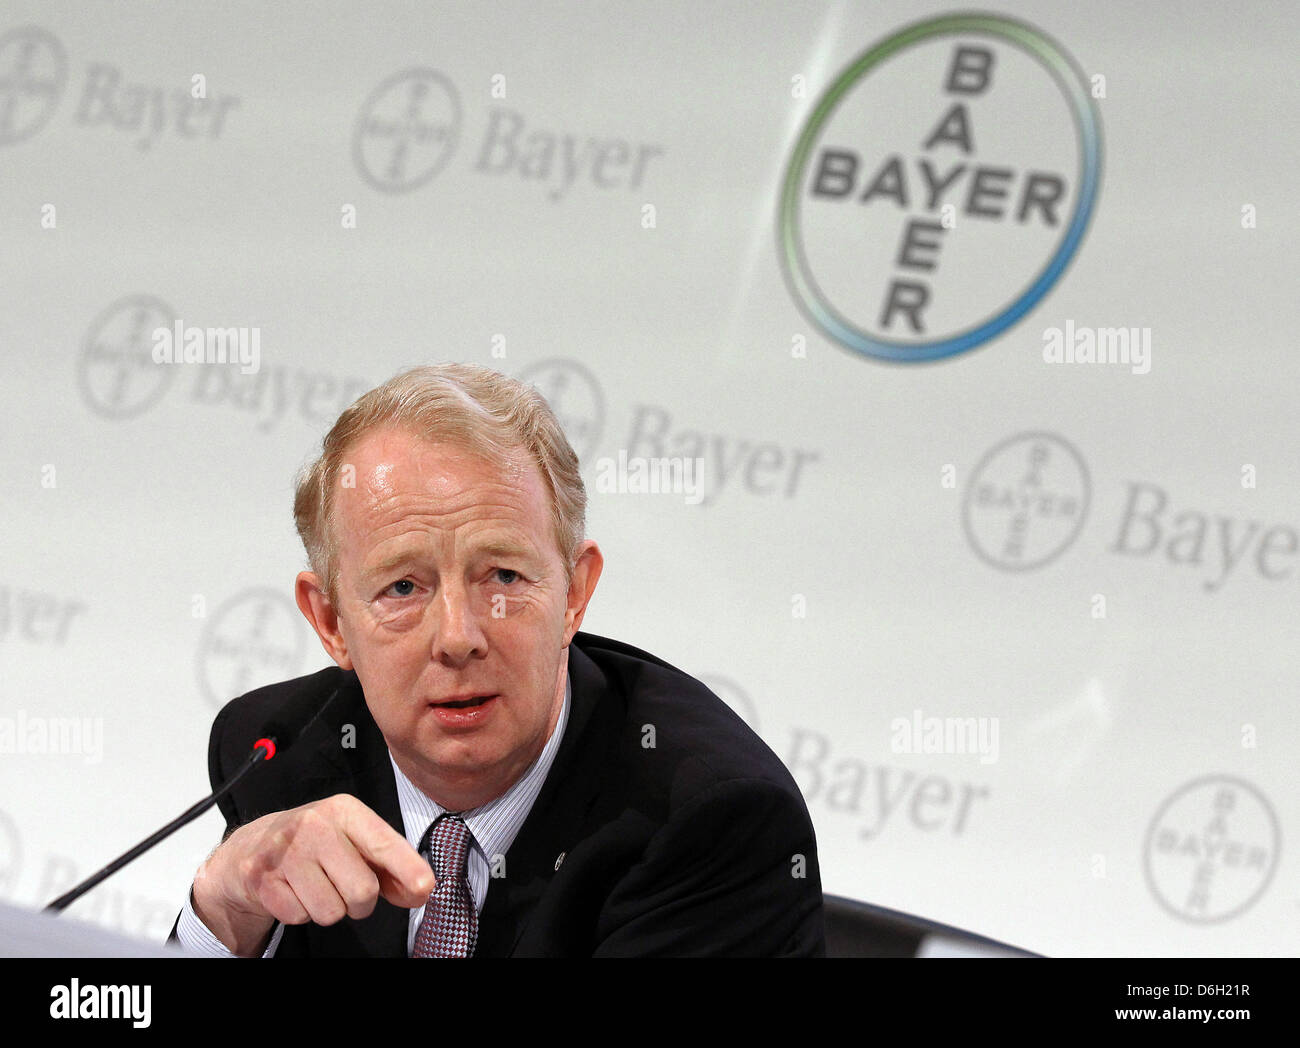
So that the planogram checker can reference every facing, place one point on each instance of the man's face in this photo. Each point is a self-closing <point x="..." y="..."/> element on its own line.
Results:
<point x="450" y="588"/>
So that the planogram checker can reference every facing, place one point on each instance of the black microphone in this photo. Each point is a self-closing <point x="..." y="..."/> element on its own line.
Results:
<point x="278" y="738"/>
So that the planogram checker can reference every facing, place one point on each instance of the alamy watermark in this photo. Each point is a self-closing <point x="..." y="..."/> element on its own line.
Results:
<point x="181" y="344"/>
<point x="1107" y="345"/>
<point x="922" y="734"/>
<point x="131" y="1001"/>
<point x="638" y="475"/>
<point x="54" y="735"/>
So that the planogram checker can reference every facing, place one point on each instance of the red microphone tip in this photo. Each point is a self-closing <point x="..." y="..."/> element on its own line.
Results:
<point x="266" y="744"/>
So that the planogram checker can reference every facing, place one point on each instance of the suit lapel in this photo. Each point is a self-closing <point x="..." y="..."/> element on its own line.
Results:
<point x="554" y="823"/>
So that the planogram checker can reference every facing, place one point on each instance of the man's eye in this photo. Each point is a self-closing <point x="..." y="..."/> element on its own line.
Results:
<point x="507" y="575"/>
<point x="402" y="588"/>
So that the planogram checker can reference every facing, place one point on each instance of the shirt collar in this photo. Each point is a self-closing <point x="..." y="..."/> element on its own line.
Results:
<point x="496" y="823"/>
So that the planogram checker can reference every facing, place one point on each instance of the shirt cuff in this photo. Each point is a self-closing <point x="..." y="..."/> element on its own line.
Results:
<point x="196" y="938"/>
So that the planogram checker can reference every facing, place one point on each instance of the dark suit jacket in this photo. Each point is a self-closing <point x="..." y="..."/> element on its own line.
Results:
<point x="699" y="845"/>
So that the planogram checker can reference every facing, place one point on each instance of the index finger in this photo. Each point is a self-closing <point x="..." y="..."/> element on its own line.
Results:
<point x="405" y="879"/>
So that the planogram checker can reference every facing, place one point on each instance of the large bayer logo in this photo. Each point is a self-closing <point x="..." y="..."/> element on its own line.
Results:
<point x="940" y="187"/>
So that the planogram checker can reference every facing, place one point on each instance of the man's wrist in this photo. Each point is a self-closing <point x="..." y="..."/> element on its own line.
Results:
<point x="197" y="939"/>
<point x="243" y="934"/>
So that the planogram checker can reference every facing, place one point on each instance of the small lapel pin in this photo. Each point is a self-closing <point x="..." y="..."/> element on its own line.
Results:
<point x="559" y="860"/>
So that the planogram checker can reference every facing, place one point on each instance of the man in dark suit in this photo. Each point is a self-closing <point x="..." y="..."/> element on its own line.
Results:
<point x="575" y="795"/>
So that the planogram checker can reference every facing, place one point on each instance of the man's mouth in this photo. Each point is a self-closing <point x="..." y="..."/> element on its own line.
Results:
<point x="462" y="703"/>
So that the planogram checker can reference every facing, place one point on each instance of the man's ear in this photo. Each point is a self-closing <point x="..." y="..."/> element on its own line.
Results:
<point x="586" y="573"/>
<point x="319" y="611"/>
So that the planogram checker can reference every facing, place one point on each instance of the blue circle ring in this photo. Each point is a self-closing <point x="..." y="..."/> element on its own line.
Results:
<point x="1069" y="78"/>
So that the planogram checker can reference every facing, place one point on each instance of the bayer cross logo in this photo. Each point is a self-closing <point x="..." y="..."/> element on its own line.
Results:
<point x="939" y="187"/>
<point x="116" y="372"/>
<point x="406" y="131"/>
<point x="1212" y="849"/>
<point x="574" y="396"/>
<point x="33" y="71"/>
<point x="253" y="639"/>
<point x="1026" y="501"/>
<point x="734" y="696"/>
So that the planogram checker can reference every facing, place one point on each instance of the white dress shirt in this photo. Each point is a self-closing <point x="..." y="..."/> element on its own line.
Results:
<point x="494" y="827"/>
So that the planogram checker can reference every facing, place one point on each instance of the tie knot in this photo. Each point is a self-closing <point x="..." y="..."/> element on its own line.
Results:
<point x="448" y="847"/>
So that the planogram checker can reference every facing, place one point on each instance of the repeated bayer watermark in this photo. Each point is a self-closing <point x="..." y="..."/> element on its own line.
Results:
<point x="35" y="617"/>
<point x="108" y="906"/>
<point x="881" y="797"/>
<point x="1211" y="849"/>
<point x="26" y="734"/>
<point x="1027" y="499"/>
<point x="409" y="127"/>
<point x="34" y="78"/>
<point x="256" y="637"/>
<point x="734" y="463"/>
<point x="1210" y="543"/>
<point x="575" y="396"/>
<point x="406" y="130"/>
<point x="115" y="371"/>
<point x="135" y="348"/>
<point x="876" y="798"/>
<point x="659" y="456"/>
<point x="33" y="74"/>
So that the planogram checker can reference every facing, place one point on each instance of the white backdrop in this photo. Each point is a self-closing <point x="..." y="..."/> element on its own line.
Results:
<point x="1089" y="569"/>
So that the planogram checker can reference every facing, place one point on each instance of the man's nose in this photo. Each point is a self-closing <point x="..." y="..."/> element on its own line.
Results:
<point x="459" y="636"/>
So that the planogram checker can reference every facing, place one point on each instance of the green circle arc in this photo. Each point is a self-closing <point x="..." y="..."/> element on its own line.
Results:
<point x="1069" y="78"/>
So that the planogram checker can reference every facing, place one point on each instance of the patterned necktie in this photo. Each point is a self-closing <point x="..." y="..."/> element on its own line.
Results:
<point x="450" y="925"/>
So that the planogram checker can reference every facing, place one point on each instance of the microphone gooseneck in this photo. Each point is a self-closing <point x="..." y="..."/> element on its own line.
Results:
<point x="277" y="739"/>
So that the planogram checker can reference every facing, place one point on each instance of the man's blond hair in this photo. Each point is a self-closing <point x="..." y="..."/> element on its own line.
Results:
<point x="468" y="406"/>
